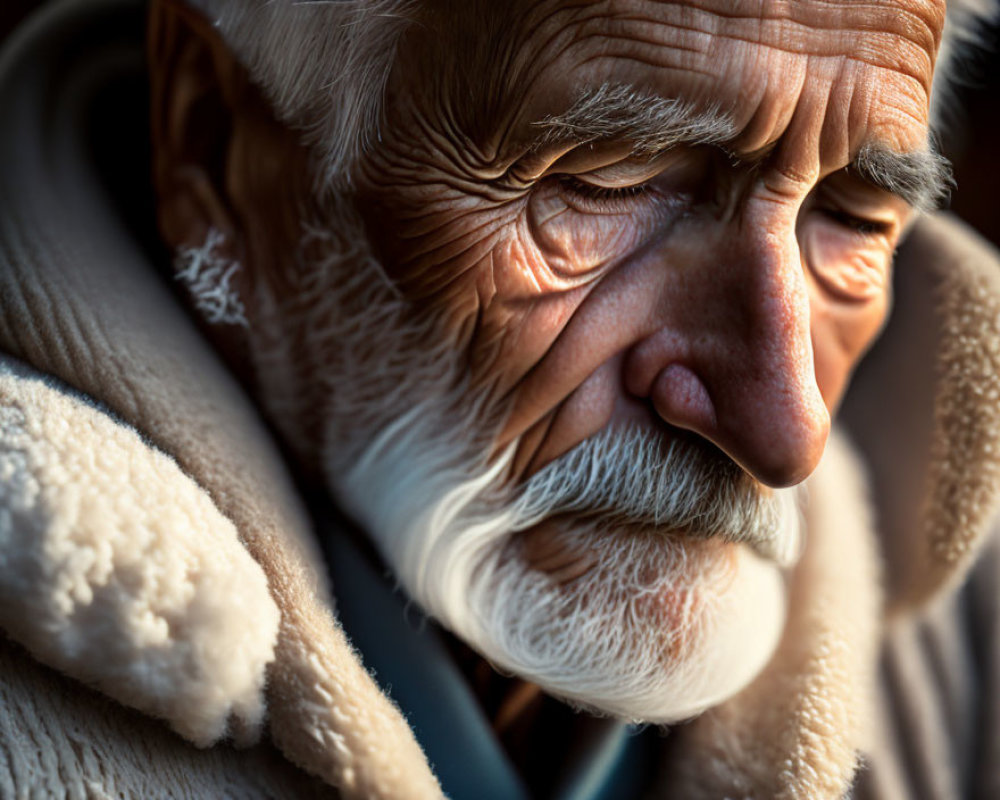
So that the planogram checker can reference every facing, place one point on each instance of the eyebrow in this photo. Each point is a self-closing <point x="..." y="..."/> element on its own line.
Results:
<point x="922" y="179"/>
<point x="651" y="123"/>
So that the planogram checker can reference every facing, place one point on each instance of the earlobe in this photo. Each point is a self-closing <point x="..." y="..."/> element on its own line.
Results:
<point x="190" y="207"/>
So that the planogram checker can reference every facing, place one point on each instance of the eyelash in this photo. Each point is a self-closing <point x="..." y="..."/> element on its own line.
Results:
<point x="602" y="193"/>
<point x="858" y="225"/>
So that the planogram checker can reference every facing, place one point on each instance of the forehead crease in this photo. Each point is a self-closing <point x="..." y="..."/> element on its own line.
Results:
<point x="902" y="41"/>
<point x="918" y="23"/>
<point x="690" y="35"/>
<point x="539" y="56"/>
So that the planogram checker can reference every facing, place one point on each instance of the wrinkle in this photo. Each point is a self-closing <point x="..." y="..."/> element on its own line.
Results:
<point x="430" y="255"/>
<point x="905" y="22"/>
<point x="552" y="216"/>
<point x="687" y="69"/>
<point x="773" y="30"/>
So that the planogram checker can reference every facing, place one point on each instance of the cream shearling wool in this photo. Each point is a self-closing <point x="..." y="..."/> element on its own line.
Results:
<point x="81" y="303"/>
<point x="120" y="571"/>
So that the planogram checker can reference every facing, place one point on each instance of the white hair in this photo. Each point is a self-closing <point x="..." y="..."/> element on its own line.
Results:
<point x="660" y="626"/>
<point x="666" y="623"/>
<point x="323" y="65"/>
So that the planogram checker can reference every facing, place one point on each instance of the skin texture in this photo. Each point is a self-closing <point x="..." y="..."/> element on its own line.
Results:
<point x="724" y="289"/>
<point x="730" y="296"/>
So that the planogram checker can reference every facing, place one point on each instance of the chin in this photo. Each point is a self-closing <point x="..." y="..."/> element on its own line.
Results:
<point x="633" y="620"/>
<point x="661" y="588"/>
<point x="652" y="628"/>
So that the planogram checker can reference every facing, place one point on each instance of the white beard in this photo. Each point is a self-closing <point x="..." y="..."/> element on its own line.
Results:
<point x="664" y="624"/>
<point x="658" y="628"/>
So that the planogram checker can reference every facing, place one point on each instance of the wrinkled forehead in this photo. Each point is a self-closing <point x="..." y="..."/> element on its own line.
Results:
<point x="863" y="67"/>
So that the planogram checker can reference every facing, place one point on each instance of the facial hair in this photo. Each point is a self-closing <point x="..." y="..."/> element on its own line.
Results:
<point x="668" y="620"/>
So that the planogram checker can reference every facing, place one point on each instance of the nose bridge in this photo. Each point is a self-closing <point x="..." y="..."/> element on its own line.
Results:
<point x="768" y="287"/>
<point x="741" y="371"/>
<point x="742" y="306"/>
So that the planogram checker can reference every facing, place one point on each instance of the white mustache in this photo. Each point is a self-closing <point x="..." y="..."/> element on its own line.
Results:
<point x="681" y="485"/>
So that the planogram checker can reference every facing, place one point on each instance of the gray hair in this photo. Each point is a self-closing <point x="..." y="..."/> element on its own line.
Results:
<point x="324" y="64"/>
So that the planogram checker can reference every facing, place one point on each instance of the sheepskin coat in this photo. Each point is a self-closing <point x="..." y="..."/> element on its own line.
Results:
<point x="166" y="624"/>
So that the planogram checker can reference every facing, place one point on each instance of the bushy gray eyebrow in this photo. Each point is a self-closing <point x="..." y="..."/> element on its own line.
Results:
<point x="651" y="123"/>
<point x="922" y="178"/>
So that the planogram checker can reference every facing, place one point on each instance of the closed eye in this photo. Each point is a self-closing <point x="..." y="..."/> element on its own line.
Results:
<point x="594" y="192"/>
<point x="862" y="226"/>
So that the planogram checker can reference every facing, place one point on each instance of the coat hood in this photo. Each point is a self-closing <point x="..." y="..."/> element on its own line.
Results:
<point x="99" y="357"/>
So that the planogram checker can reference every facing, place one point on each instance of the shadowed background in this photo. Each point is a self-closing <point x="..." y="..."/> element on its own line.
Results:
<point x="971" y="144"/>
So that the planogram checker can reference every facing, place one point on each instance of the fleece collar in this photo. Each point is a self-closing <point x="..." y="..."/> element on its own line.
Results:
<point x="82" y="302"/>
<point x="924" y="410"/>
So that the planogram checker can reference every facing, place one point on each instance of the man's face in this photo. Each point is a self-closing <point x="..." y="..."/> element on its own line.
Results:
<point x="662" y="231"/>
<point x="595" y="274"/>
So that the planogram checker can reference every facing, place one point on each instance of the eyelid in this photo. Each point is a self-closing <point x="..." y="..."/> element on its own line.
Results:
<point x="627" y="172"/>
<point x="859" y="199"/>
<point x="849" y="267"/>
<point x="855" y="222"/>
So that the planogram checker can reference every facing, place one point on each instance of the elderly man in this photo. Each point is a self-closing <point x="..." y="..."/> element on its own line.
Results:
<point x="548" y="306"/>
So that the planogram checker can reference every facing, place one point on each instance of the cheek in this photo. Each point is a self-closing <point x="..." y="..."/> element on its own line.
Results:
<point x="842" y="331"/>
<point x="506" y="280"/>
<point x="848" y="276"/>
<point x="576" y="238"/>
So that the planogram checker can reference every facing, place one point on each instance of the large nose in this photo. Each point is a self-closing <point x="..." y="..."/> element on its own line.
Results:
<point x="731" y="356"/>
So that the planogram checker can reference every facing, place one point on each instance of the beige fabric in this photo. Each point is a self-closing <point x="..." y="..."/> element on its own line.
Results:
<point x="925" y="411"/>
<point x="61" y="740"/>
<point x="795" y="732"/>
<point x="79" y="302"/>
<point x="146" y="362"/>
<point x="937" y="717"/>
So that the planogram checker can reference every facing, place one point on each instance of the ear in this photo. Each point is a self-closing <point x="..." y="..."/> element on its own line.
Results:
<point x="194" y="80"/>
<point x="221" y="160"/>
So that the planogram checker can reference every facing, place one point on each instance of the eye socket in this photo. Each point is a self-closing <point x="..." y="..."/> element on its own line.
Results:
<point x="580" y="226"/>
<point x="862" y="226"/>
<point x="850" y="256"/>
<point x="596" y="199"/>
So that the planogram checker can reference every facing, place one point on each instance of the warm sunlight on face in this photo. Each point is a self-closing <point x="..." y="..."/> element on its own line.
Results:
<point x="659" y="237"/>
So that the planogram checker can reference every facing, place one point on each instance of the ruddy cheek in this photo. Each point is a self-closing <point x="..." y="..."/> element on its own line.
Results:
<point x="573" y="243"/>
<point x="847" y="269"/>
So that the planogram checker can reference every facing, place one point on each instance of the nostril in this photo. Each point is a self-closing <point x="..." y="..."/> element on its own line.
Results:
<point x="777" y="436"/>
<point x="645" y="361"/>
<point x="682" y="399"/>
<point x="780" y="475"/>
